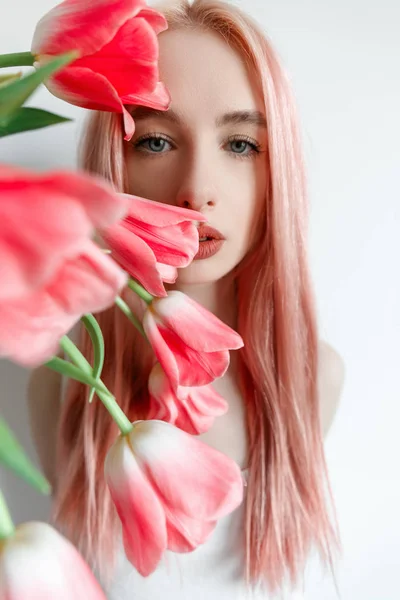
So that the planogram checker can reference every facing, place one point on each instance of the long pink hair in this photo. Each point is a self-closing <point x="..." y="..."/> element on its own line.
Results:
<point x="289" y="510"/>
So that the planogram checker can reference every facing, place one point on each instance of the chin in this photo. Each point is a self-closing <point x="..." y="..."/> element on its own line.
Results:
<point x="204" y="271"/>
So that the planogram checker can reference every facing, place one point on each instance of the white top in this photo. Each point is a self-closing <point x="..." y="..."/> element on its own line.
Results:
<point x="214" y="571"/>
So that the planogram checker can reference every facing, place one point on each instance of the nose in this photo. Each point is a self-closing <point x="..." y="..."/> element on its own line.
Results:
<point x="196" y="190"/>
<point x="198" y="203"/>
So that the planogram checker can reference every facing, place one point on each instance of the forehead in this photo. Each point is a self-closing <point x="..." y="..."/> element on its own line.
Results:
<point x="204" y="75"/>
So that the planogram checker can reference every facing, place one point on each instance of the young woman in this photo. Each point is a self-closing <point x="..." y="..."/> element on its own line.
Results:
<point x="229" y="147"/>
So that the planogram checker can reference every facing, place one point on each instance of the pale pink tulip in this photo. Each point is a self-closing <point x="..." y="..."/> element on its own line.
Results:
<point x="167" y="273"/>
<point x="190" y="342"/>
<point x="37" y="563"/>
<point x="169" y="490"/>
<point x="118" y="55"/>
<point x="192" y="409"/>
<point x="153" y="240"/>
<point x="51" y="271"/>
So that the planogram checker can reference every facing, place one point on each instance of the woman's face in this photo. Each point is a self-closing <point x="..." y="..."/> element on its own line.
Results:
<point x="208" y="151"/>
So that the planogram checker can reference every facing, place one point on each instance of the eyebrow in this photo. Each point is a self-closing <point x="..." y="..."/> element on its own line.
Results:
<point x="253" y="117"/>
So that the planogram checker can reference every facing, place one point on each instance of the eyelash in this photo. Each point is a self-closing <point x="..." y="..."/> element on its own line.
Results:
<point x="255" y="147"/>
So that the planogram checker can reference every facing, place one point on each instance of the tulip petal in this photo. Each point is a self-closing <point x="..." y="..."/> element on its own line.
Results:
<point x="183" y="365"/>
<point x="92" y="281"/>
<point x="167" y="273"/>
<point x="192" y="409"/>
<point x="102" y="205"/>
<point x="159" y="98"/>
<point x="185" y="466"/>
<point x="186" y="534"/>
<point x="45" y="219"/>
<point x="175" y="245"/>
<point x="191" y="421"/>
<point x="37" y="562"/>
<point x="140" y="511"/>
<point x="33" y="247"/>
<point x="135" y="257"/>
<point x="129" y="60"/>
<point x="150" y="212"/>
<point x="83" y="87"/>
<point x="205" y="399"/>
<point x="157" y="21"/>
<point x="163" y="404"/>
<point x="93" y="24"/>
<point x="187" y="319"/>
<point x="31" y="327"/>
<point x="28" y="344"/>
<point x="199" y="406"/>
<point x="129" y="125"/>
<point x="163" y="353"/>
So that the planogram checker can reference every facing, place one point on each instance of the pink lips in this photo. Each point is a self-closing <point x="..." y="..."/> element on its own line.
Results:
<point x="214" y="241"/>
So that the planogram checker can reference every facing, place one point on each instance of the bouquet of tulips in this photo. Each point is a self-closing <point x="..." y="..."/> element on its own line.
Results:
<point x="69" y="244"/>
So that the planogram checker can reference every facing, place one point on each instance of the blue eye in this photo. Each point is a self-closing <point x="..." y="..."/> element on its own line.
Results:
<point x="156" y="147"/>
<point x="155" y="143"/>
<point x="243" y="144"/>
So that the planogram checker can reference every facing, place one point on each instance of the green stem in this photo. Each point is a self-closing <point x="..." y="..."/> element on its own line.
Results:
<point x="122" y="305"/>
<point x="66" y="367"/>
<point x="140" y="291"/>
<point x="7" y="528"/>
<point x="17" y="59"/>
<point x="96" y="335"/>
<point x="109" y="401"/>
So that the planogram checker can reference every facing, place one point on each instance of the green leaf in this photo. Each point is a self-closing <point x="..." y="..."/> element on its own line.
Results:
<point x="96" y="335"/>
<point x="75" y="355"/>
<point x="13" y="96"/>
<point x="13" y="456"/>
<point x="27" y="119"/>
<point x="66" y="368"/>
<point x="107" y="398"/>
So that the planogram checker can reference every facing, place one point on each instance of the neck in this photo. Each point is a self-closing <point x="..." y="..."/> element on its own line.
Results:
<point x="218" y="297"/>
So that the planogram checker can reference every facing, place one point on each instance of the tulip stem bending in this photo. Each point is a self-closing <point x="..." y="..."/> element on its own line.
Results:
<point x="122" y="305"/>
<point x="140" y="291"/>
<point x="6" y="525"/>
<point x="108" y="400"/>
<point x="17" y="59"/>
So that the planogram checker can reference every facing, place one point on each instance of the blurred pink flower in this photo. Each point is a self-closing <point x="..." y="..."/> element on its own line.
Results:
<point x="51" y="271"/>
<point x="169" y="490"/>
<point x="153" y="240"/>
<point x="190" y="342"/>
<point x="118" y="62"/>
<point x="192" y="409"/>
<point x="37" y="562"/>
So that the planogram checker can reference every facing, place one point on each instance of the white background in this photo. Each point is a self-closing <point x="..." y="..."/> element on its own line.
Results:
<point x="343" y="58"/>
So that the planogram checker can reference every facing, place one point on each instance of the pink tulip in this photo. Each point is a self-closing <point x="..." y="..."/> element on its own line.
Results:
<point x="192" y="409"/>
<point x="37" y="563"/>
<point x="152" y="240"/>
<point x="190" y="342"/>
<point x="169" y="490"/>
<point x="118" y="62"/>
<point x="51" y="271"/>
<point x="167" y="273"/>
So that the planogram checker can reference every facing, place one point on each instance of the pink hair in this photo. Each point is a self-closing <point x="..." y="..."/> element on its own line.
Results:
<point x="289" y="499"/>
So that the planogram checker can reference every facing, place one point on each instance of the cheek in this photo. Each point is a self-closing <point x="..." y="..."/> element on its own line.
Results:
<point x="249" y="205"/>
<point x="148" y="181"/>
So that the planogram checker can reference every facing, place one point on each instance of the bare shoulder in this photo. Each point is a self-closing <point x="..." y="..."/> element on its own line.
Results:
<point x="331" y="375"/>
